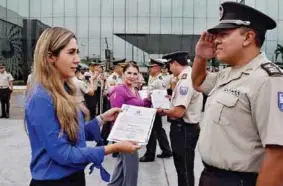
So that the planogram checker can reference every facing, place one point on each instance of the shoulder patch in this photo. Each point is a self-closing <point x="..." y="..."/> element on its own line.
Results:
<point x="271" y="69"/>
<point x="160" y="77"/>
<point x="184" y="76"/>
<point x="115" y="77"/>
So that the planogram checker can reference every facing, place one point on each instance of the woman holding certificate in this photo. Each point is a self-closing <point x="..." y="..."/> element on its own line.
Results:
<point x="55" y="125"/>
<point x="127" y="167"/>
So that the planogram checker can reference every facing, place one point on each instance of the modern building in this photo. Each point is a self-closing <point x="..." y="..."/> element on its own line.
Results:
<point x="135" y="29"/>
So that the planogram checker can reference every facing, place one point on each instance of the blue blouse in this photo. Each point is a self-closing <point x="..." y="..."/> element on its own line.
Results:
<point x="54" y="156"/>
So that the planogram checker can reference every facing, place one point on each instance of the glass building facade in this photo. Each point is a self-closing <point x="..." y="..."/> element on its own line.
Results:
<point x="134" y="29"/>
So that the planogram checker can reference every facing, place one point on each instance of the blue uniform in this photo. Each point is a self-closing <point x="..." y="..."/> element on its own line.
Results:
<point x="53" y="156"/>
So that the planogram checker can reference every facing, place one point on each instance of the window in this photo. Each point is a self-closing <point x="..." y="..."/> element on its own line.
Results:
<point x="166" y="26"/>
<point x="71" y="24"/>
<point x="177" y="26"/>
<point x="188" y="26"/>
<point x="200" y="9"/>
<point x="70" y="7"/>
<point x="107" y="8"/>
<point x="166" y="6"/>
<point x="155" y="7"/>
<point x="35" y="8"/>
<point x="143" y="7"/>
<point x="94" y="7"/>
<point x="177" y="8"/>
<point x="199" y="25"/>
<point x="189" y="8"/>
<point x="47" y="7"/>
<point x="143" y="26"/>
<point x="94" y="27"/>
<point x="131" y="8"/>
<point x="155" y="25"/>
<point x="83" y="8"/>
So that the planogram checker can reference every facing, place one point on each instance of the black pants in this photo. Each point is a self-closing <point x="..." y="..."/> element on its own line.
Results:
<point x="91" y="105"/>
<point x="106" y="128"/>
<point x="184" y="138"/>
<point x="158" y="133"/>
<point x="5" y="95"/>
<point x="76" y="179"/>
<point x="219" y="177"/>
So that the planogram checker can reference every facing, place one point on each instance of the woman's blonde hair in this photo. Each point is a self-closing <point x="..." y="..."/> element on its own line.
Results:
<point x="50" y="43"/>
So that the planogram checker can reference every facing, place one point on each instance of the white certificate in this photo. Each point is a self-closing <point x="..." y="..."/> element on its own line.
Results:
<point x="133" y="124"/>
<point x="159" y="99"/>
<point x="143" y="93"/>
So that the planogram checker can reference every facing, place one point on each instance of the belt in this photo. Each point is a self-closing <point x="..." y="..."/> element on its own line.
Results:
<point x="3" y="87"/>
<point x="228" y="173"/>
<point x="180" y="121"/>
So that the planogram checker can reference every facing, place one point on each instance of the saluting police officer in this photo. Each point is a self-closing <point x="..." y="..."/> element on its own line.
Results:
<point x="156" y="82"/>
<point x="6" y="88"/>
<point x="241" y="142"/>
<point x="184" y="117"/>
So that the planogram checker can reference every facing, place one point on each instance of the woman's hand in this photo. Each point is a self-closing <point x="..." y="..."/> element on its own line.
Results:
<point x="123" y="146"/>
<point x="110" y="115"/>
<point x="127" y="146"/>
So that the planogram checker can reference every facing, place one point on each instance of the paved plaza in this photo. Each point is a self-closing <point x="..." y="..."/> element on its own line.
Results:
<point x="15" y="157"/>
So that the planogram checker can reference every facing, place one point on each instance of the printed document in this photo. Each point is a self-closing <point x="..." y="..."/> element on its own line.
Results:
<point x="159" y="99"/>
<point x="133" y="124"/>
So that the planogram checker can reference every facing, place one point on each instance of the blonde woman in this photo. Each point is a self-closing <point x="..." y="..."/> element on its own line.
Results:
<point x="55" y="125"/>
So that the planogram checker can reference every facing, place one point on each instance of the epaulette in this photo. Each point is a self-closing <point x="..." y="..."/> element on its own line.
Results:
<point x="184" y="76"/>
<point x="271" y="69"/>
<point x="115" y="77"/>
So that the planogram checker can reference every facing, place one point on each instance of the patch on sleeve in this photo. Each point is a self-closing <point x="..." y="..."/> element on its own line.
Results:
<point x="184" y="76"/>
<point x="184" y="90"/>
<point x="280" y="101"/>
<point x="272" y="69"/>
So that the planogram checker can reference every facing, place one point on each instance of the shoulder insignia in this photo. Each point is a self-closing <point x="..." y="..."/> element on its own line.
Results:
<point x="184" y="76"/>
<point x="160" y="77"/>
<point x="272" y="69"/>
<point x="115" y="77"/>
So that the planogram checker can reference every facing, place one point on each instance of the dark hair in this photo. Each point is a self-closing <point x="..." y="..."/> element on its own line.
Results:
<point x="259" y="36"/>
<point x="130" y="65"/>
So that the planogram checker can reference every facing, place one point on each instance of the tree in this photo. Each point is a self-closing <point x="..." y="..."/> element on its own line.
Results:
<point x="279" y="51"/>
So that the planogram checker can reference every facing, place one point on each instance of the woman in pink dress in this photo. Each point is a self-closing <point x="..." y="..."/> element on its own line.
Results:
<point x="127" y="167"/>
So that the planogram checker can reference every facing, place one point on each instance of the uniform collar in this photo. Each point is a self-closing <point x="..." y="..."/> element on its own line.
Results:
<point x="254" y="64"/>
<point x="184" y="71"/>
<point x="235" y="73"/>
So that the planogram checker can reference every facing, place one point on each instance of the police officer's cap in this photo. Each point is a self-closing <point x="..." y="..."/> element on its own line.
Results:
<point x="155" y="62"/>
<point x="94" y="64"/>
<point x="235" y="15"/>
<point x="121" y="62"/>
<point x="180" y="56"/>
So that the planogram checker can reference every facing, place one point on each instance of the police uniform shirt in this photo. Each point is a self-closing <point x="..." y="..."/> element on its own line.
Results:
<point x="81" y="89"/>
<point x="167" y="77"/>
<point x="244" y="113"/>
<point x="5" y="79"/>
<point x="113" y="80"/>
<point x="157" y="83"/>
<point x="185" y="95"/>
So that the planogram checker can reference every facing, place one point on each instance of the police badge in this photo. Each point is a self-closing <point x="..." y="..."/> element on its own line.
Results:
<point x="184" y="90"/>
<point x="280" y="101"/>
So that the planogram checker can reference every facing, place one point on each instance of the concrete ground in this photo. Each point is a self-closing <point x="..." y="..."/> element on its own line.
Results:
<point x="15" y="157"/>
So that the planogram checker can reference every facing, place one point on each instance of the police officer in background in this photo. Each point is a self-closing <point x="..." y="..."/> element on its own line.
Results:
<point x="6" y="88"/>
<point x="114" y="79"/>
<point x="156" y="82"/>
<point x="184" y="117"/>
<point x="241" y="142"/>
